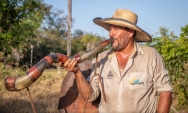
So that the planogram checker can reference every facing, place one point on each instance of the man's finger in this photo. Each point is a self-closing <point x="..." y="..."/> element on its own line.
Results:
<point x="66" y="63"/>
<point x="73" y="65"/>
<point x="70" y="63"/>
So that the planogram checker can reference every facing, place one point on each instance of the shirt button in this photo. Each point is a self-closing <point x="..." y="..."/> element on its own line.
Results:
<point x="118" y="106"/>
<point x="119" y="86"/>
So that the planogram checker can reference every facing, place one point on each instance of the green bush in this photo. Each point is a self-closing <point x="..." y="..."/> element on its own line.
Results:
<point x="174" y="51"/>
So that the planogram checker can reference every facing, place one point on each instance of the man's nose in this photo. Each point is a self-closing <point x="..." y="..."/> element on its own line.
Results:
<point x="111" y="33"/>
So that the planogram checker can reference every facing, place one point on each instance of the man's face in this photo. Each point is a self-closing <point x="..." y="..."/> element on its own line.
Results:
<point x="122" y="37"/>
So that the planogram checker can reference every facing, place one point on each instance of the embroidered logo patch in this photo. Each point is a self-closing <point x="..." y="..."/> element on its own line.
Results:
<point x="109" y="76"/>
<point x="135" y="81"/>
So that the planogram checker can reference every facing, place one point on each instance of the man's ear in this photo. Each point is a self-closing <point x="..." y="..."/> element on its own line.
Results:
<point x="132" y="31"/>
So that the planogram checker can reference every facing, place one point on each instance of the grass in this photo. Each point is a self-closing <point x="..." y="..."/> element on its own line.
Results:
<point x="45" y="93"/>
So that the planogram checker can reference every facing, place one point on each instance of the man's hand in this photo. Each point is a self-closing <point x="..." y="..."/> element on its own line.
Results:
<point x="70" y="65"/>
<point x="84" y="87"/>
<point x="165" y="100"/>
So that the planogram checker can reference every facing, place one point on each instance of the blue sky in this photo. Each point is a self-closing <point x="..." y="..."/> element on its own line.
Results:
<point x="151" y="13"/>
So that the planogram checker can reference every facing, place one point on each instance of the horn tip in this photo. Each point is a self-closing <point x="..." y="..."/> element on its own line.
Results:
<point x="10" y="83"/>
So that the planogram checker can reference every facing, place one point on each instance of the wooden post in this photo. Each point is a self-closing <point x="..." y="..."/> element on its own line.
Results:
<point x="69" y="27"/>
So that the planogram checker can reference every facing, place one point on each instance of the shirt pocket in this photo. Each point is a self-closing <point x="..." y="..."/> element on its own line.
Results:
<point x="137" y="80"/>
<point x="110" y="85"/>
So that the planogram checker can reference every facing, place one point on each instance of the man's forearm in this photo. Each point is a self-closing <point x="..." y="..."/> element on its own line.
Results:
<point x="83" y="86"/>
<point x="165" y="100"/>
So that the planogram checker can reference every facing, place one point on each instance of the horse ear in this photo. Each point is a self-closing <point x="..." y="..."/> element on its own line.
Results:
<point x="90" y="46"/>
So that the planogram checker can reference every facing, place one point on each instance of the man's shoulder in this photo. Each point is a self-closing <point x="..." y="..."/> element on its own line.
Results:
<point x="150" y="51"/>
<point x="147" y="49"/>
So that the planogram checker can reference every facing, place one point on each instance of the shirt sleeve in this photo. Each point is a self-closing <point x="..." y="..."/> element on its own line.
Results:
<point x="94" y="83"/>
<point x="161" y="77"/>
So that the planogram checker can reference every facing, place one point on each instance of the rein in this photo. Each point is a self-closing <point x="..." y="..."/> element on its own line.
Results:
<point x="99" y="81"/>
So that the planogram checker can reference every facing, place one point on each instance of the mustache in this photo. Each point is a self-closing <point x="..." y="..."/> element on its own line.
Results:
<point x="113" y="42"/>
<point x="115" y="39"/>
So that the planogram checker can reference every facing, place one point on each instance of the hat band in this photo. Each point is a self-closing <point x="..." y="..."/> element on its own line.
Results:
<point x="119" y="19"/>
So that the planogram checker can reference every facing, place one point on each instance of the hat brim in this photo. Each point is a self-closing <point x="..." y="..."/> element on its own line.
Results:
<point x="141" y="35"/>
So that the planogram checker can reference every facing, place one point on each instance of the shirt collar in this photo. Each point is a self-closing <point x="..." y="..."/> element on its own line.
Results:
<point x="137" y="49"/>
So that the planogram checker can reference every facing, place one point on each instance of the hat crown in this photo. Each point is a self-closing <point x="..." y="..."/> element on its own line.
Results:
<point x="125" y="14"/>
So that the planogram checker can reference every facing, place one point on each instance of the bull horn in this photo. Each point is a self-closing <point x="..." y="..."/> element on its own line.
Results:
<point x="20" y="82"/>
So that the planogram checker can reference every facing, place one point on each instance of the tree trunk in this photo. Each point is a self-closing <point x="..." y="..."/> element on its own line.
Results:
<point x="38" y="40"/>
<point x="31" y="60"/>
<point x="16" y="54"/>
<point x="69" y="27"/>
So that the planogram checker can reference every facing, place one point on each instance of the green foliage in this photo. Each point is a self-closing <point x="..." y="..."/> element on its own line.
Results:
<point x="89" y="37"/>
<point x="32" y="22"/>
<point x="174" y="51"/>
<point x="52" y="43"/>
<point x="19" y="20"/>
<point x="55" y="24"/>
<point x="4" y="72"/>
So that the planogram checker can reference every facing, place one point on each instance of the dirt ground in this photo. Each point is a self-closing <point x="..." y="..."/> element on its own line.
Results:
<point x="45" y="93"/>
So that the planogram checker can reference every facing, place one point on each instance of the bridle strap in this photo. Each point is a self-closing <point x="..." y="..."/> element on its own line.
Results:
<point x="31" y="100"/>
<point x="99" y="81"/>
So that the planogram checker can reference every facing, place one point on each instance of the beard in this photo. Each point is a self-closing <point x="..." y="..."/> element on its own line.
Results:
<point x="116" y="47"/>
<point x="120" y="45"/>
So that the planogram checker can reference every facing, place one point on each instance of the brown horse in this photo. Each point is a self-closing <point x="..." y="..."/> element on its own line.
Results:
<point x="70" y="100"/>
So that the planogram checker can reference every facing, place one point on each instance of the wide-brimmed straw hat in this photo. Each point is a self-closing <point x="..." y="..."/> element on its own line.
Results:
<point x="124" y="18"/>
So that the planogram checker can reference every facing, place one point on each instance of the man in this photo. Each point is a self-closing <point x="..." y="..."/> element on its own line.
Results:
<point x="133" y="75"/>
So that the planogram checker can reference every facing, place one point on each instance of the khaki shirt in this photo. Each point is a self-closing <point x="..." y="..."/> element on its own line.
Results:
<point x="134" y="90"/>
